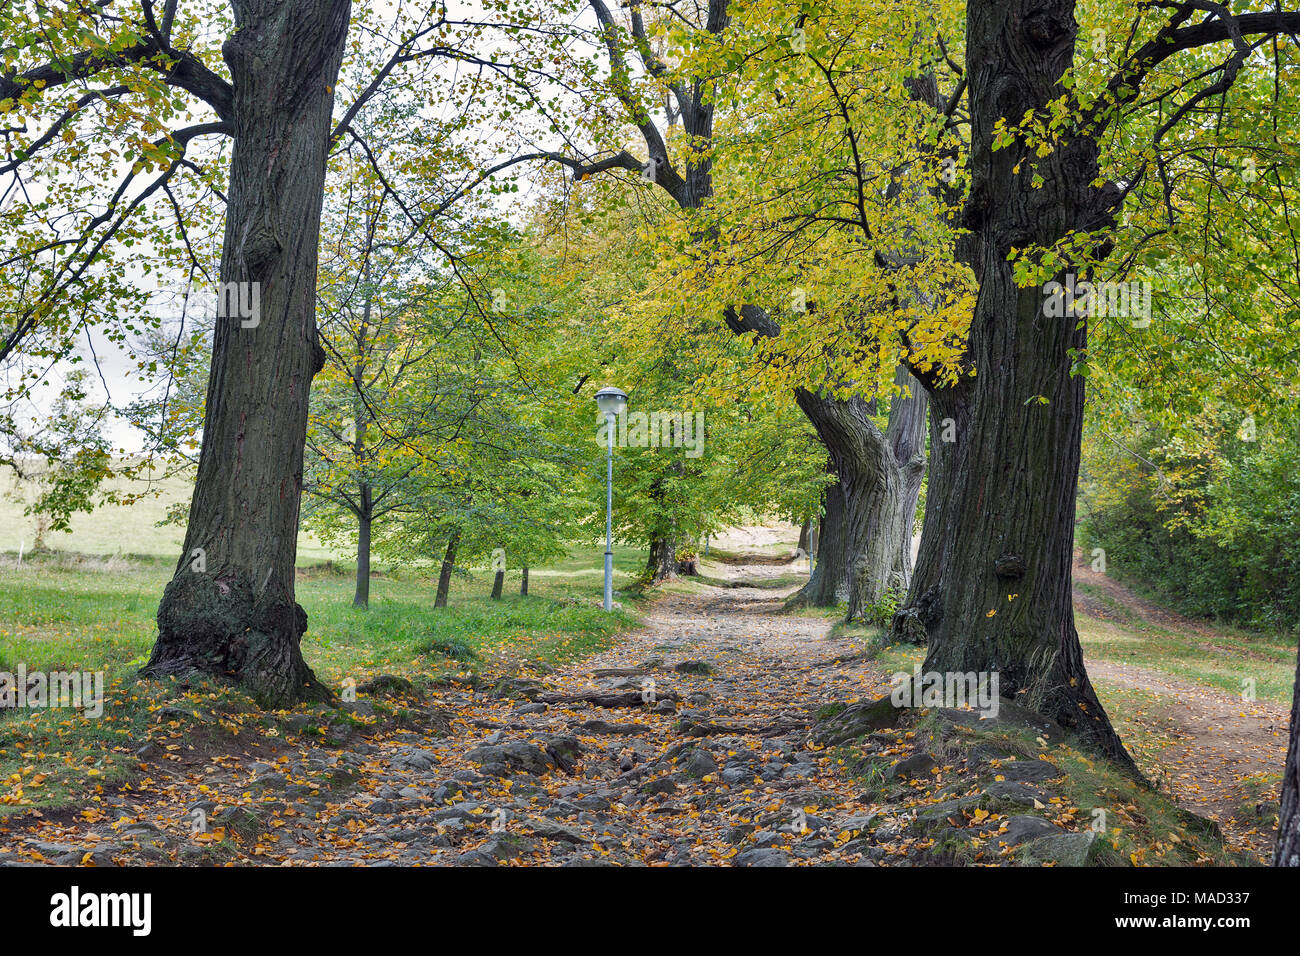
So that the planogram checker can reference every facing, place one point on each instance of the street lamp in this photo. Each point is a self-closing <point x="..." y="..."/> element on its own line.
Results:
<point x="611" y="401"/>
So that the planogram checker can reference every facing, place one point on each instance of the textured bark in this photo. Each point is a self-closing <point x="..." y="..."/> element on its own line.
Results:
<point x="662" y="562"/>
<point x="444" y="574"/>
<point x="865" y="542"/>
<point x="1003" y="603"/>
<point x="949" y="413"/>
<point x="364" y="522"/>
<point x="1287" y="850"/>
<point x="237" y="618"/>
<point x="523" y="583"/>
<point x="498" y="585"/>
<point x="805" y="540"/>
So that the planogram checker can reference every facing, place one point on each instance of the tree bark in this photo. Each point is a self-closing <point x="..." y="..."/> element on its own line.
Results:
<point x="448" y="565"/>
<point x="1004" y="599"/>
<point x="1287" y="850"/>
<point x="523" y="583"/>
<point x="237" y="619"/>
<point x="364" y="521"/>
<point x="949" y="411"/>
<point x="662" y="562"/>
<point x="804" y="542"/>
<point x="498" y="585"/>
<point x="865" y="543"/>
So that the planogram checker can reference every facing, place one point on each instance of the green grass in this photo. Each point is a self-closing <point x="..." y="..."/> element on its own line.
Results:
<point x="64" y="613"/>
<point x="1222" y="661"/>
<point x="134" y="528"/>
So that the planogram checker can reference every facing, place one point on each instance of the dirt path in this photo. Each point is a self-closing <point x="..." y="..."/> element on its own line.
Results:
<point x="1222" y="743"/>
<point x="686" y="744"/>
<point x="714" y="771"/>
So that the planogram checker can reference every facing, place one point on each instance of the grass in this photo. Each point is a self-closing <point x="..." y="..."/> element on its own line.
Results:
<point x="106" y="530"/>
<point x="1223" y="661"/>
<point x="62" y="612"/>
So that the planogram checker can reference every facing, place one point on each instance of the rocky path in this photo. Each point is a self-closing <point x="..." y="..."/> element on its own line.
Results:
<point x="688" y="743"/>
<point x="684" y="745"/>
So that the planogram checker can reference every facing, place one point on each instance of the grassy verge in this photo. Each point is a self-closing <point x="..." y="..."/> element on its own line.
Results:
<point x="1224" y="660"/>
<point x="62" y="614"/>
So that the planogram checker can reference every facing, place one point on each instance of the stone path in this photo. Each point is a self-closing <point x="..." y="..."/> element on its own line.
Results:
<point x="686" y="744"/>
<point x="705" y="762"/>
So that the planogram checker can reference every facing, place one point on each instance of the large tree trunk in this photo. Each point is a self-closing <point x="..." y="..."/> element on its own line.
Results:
<point x="364" y="521"/>
<point x="1004" y="601"/>
<point x="237" y="618"/>
<point x="1287" y="850"/>
<point x="864" y="549"/>
<point x="662" y="562"/>
<point x="949" y="413"/>
<point x="448" y="566"/>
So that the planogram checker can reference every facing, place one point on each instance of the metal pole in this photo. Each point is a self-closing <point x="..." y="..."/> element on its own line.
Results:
<point x="609" y="516"/>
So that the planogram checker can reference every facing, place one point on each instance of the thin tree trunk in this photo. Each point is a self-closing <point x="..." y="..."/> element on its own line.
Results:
<point x="523" y="583"/>
<point x="498" y="585"/>
<point x="448" y="565"/>
<point x="364" y="520"/>
<point x="804" y="542"/>
<point x="949" y="411"/>
<point x="237" y="618"/>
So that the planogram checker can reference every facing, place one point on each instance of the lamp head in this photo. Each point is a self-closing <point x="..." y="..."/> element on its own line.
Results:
<point x="611" y="401"/>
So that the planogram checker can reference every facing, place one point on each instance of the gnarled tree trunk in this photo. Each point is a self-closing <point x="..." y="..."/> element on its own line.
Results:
<point x="662" y="561"/>
<point x="864" y="549"/>
<point x="236" y="618"/>
<point x="1004" y="599"/>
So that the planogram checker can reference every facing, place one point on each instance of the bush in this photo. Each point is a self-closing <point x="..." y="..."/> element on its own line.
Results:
<point x="1218" y="536"/>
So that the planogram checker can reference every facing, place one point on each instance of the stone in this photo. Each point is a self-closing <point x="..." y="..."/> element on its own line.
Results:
<point x="915" y="766"/>
<point x="1062" y="849"/>
<point x="734" y="776"/>
<point x="501" y="760"/>
<point x="1023" y="828"/>
<point x="550" y="830"/>
<point x="659" y="785"/>
<point x="493" y="852"/>
<point x="698" y="764"/>
<point x="855" y="720"/>
<point x="766" y="856"/>
<point x="693" y="667"/>
<point x="1009" y="791"/>
<point x="412" y="758"/>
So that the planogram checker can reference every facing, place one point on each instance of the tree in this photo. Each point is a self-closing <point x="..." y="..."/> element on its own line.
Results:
<point x="230" y="609"/>
<point x="1004" y="603"/>
<point x="876" y="472"/>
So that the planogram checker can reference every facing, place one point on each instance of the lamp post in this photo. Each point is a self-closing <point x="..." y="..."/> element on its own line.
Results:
<point x="611" y="401"/>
